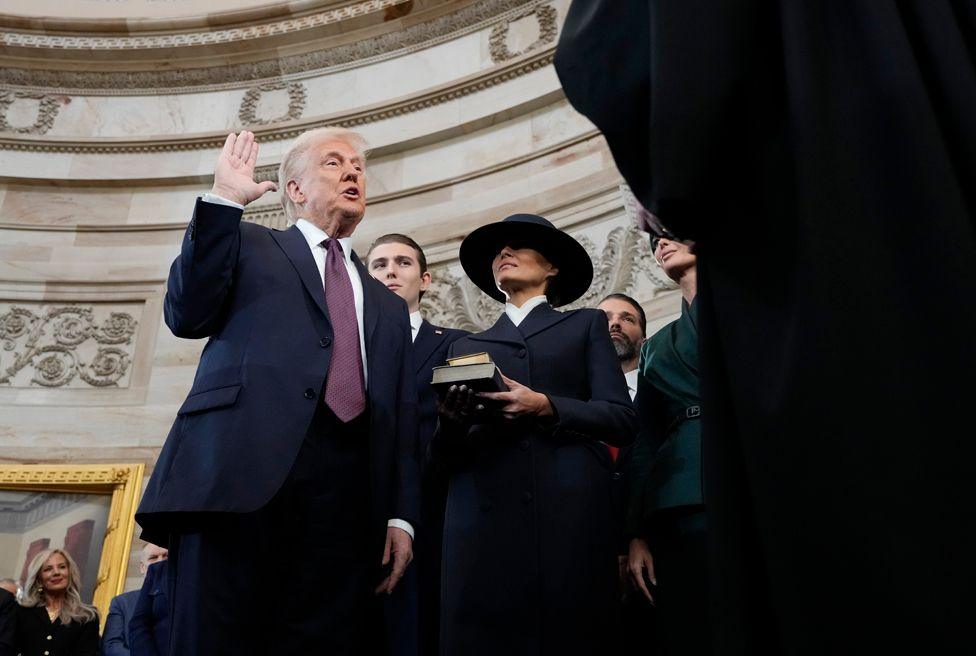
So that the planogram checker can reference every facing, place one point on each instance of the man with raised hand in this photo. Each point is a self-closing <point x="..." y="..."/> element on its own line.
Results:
<point x="295" y="452"/>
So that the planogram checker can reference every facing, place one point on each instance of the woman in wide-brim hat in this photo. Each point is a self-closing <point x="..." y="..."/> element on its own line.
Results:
<point x="529" y="555"/>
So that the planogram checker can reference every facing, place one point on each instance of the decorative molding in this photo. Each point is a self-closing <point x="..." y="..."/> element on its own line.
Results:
<point x="547" y="18"/>
<point x="473" y="18"/>
<point x="410" y="104"/>
<point x="197" y="38"/>
<point x="249" y="104"/>
<point x="47" y="110"/>
<point x="66" y="346"/>
<point x="453" y="300"/>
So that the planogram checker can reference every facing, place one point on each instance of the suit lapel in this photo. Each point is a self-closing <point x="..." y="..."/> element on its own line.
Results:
<point x="293" y="243"/>
<point x="425" y="345"/>
<point x="540" y="318"/>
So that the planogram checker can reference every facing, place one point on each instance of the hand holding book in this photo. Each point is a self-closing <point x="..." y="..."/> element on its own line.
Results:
<point x="468" y="379"/>
<point x="519" y="400"/>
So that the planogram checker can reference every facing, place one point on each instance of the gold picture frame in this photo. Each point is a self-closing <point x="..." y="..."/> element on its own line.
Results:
<point x="122" y="482"/>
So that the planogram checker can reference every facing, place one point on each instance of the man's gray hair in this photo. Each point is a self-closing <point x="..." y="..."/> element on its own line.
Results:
<point x="296" y="159"/>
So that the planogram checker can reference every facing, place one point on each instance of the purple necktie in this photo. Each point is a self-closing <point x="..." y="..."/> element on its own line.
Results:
<point x="345" y="390"/>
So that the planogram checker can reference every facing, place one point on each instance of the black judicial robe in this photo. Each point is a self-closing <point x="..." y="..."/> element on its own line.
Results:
<point x="823" y="155"/>
<point x="530" y="565"/>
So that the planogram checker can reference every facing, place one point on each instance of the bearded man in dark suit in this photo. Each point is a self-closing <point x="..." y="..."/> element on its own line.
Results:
<point x="298" y="438"/>
<point x="399" y="263"/>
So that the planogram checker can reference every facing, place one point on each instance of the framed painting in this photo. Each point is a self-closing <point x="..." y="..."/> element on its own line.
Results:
<point x="87" y="510"/>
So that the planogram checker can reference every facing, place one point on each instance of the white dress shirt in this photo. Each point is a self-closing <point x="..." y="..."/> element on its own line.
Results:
<point x="631" y="377"/>
<point x="315" y="236"/>
<point x="415" y="322"/>
<point x="518" y="314"/>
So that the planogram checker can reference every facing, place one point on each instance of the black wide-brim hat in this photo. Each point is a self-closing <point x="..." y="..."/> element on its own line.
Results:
<point x="479" y="249"/>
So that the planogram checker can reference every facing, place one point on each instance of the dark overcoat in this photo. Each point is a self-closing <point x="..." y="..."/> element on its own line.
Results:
<point x="256" y="294"/>
<point x="823" y="155"/>
<point x="529" y="555"/>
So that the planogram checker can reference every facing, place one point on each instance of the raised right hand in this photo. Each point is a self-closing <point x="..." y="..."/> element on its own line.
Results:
<point x="234" y="173"/>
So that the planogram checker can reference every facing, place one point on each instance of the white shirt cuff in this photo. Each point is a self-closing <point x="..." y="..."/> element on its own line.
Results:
<point x="399" y="523"/>
<point x="220" y="200"/>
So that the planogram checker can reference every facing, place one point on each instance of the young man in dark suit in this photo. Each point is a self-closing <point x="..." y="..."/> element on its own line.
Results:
<point x="298" y="438"/>
<point x="398" y="262"/>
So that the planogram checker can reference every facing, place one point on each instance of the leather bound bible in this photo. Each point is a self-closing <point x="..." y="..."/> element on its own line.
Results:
<point x="476" y="371"/>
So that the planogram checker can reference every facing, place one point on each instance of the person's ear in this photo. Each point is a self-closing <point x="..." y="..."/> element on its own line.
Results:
<point x="294" y="191"/>
<point x="425" y="281"/>
<point x="553" y="271"/>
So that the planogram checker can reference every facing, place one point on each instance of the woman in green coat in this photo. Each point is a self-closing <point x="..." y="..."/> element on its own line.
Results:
<point x="666" y="516"/>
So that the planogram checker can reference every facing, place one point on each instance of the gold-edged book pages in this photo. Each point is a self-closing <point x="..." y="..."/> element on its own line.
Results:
<point x="471" y="358"/>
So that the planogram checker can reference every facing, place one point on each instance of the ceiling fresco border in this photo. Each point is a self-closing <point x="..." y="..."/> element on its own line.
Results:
<point x="470" y="19"/>
<point x="282" y="131"/>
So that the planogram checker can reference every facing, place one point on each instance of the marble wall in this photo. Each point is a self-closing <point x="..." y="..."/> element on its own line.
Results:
<point x="101" y="160"/>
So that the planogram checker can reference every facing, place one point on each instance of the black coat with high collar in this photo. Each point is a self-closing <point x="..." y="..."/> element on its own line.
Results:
<point x="528" y="535"/>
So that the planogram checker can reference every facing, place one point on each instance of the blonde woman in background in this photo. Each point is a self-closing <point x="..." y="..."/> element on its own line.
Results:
<point x="53" y="619"/>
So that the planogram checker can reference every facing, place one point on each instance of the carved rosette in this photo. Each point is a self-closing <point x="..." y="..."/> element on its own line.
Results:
<point x="249" y="105"/>
<point x="545" y="15"/>
<point x="47" y="110"/>
<point x="623" y="264"/>
<point x="65" y="346"/>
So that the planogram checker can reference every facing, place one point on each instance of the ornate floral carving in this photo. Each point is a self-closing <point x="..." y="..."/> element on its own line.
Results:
<point x="405" y="41"/>
<point x="296" y="103"/>
<point x="454" y="301"/>
<point x="545" y="15"/>
<point x="47" y="111"/>
<point x="55" y="346"/>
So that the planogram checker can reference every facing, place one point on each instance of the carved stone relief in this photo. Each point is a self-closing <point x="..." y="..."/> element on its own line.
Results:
<point x="248" y="113"/>
<point x="47" y="111"/>
<point x="623" y="263"/>
<point x="632" y="206"/>
<point x="546" y="17"/>
<point x="77" y="346"/>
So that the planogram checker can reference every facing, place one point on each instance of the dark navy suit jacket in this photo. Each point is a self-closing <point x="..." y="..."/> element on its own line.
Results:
<point x="149" y="626"/>
<point x="258" y="297"/>
<point x="115" y="638"/>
